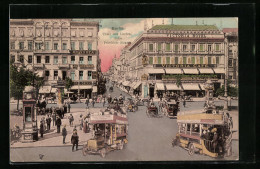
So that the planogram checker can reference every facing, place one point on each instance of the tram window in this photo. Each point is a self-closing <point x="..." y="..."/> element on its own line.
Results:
<point x="182" y="128"/>
<point x="195" y="128"/>
<point x="188" y="127"/>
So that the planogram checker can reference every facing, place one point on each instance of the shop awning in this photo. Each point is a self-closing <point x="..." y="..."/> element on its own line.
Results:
<point x="45" y="89"/>
<point x="156" y="71"/>
<point x="173" y="71"/>
<point x="94" y="89"/>
<point x="53" y="90"/>
<point x="194" y="86"/>
<point x="202" y="86"/>
<point x="219" y="70"/>
<point x="191" y="71"/>
<point x="160" y="86"/>
<point x="132" y="84"/>
<point x="172" y="87"/>
<point x="137" y="84"/>
<point x="75" y="87"/>
<point x="206" y="70"/>
<point x="126" y="83"/>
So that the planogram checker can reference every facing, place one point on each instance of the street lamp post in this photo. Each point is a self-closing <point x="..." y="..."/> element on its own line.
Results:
<point x="226" y="72"/>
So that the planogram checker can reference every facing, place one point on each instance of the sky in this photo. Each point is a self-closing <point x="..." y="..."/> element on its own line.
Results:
<point x="115" y="33"/>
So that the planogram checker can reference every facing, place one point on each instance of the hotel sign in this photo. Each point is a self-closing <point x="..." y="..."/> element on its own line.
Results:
<point x="83" y="52"/>
<point x="83" y="83"/>
<point x="185" y="65"/>
<point x="186" y="35"/>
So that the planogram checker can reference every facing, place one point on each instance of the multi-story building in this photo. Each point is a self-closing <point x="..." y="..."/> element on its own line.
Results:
<point x="232" y="52"/>
<point x="165" y="55"/>
<point x="56" y="49"/>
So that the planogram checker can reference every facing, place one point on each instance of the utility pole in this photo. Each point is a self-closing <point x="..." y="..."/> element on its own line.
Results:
<point x="226" y="72"/>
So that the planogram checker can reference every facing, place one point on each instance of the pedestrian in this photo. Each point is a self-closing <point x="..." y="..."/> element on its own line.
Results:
<point x="80" y="122"/>
<point x="104" y="102"/>
<point x="48" y="121"/>
<point x="85" y="124"/>
<point x="68" y="106"/>
<point x="58" y="123"/>
<point x="87" y="101"/>
<point x="64" y="133"/>
<point x="74" y="140"/>
<point x="93" y="102"/>
<point x="71" y="119"/>
<point x="65" y="108"/>
<point x="184" y="102"/>
<point x="41" y="129"/>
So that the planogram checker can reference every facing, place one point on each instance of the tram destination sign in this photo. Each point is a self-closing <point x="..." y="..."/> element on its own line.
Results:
<point x="83" y="52"/>
<point x="184" y="65"/>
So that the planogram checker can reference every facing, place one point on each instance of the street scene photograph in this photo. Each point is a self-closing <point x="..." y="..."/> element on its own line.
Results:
<point x="123" y="89"/>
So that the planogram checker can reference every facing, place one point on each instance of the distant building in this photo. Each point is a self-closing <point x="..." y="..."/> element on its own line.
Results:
<point x="165" y="53"/>
<point x="56" y="49"/>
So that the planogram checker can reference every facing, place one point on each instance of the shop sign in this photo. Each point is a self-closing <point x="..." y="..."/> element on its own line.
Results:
<point x="186" y="35"/>
<point x="184" y="65"/>
<point x="83" y="83"/>
<point x="82" y="52"/>
<point x="82" y="66"/>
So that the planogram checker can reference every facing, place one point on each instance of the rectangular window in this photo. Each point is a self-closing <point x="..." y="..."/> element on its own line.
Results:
<point x="176" y="47"/>
<point x="64" y="59"/>
<point x="150" y="60"/>
<point x="150" y="47"/>
<point x="39" y="58"/>
<point x="89" y="59"/>
<point x="47" y="73"/>
<point x="230" y="64"/>
<point x="184" y="60"/>
<point x="192" y="47"/>
<point x="72" y="44"/>
<point x="89" y="75"/>
<point x="21" y="59"/>
<point x="55" y="60"/>
<point x="159" y="46"/>
<point x="81" y="44"/>
<point x="55" y="75"/>
<point x="81" y="60"/>
<point x="12" y="45"/>
<point x="80" y="75"/>
<point x="159" y="60"/>
<point x="12" y="58"/>
<point x="38" y="46"/>
<point x="217" y="60"/>
<point x="168" y="46"/>
<point x="193" y="60"/>
<point x="29" y="58"/>
<point x="47" y="46"/>
<point x="184" y="47"/>
<point x="201" y="47"/>
<point x="209" y="47"/>
<point x="72" y="75"/>
<point x="47" y="59"/>
<point x="209" y="60"/>
<point x="217" y="47"/>
<point x="167" y="60"/>
<point x="89" y="46"/>
<point x="176" y="60"/>
<point x="21" y="45"/>
<point x="64" y="46"/>
<point x="55" y="46"/>
<point x="30" y="45"/>
<point x="72" y="59"/>
<point x="201" y="60"/>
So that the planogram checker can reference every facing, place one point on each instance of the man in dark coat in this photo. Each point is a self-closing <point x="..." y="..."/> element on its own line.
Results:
<point x="41" y="129"/>
<point x="58" y="123"/>
<point x="48" y="121"/>
<point x="68" y="107"/>
<point x="74" y="140"/>
<point x="64" y="133"/>
<point x="184" y="102"/>
<point x="87" y="101"/>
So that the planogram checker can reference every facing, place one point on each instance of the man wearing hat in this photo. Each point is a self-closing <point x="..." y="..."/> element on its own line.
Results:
<point x="64" y="133"/>
<point x="58" y="123"/>
<point x="71" y="119"/>
<point x="74" y="140"/>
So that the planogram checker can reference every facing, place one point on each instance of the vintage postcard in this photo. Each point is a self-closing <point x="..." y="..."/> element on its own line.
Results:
<point x="135" y="89"/>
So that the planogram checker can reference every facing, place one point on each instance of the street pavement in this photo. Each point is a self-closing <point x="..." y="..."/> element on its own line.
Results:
<point x="149" y="139"/>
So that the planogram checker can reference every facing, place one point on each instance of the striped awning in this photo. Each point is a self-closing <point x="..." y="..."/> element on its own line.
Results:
<point x="202" y="86"/>
<point x="206" y="71"/>
<point x="126" y="83"/>
<point x="173" y="71"/>
<point x="190" y="86"/>
<point x="191" y="71"/>
<point x="155" y="71"/>
<point x="132" y="84"/>
<point x="137" y="84"/>
<point x="172" y="87"/>
<point x="219" y="70"/>
<point x="160" y="86"/>
<point x="75" y="87"/>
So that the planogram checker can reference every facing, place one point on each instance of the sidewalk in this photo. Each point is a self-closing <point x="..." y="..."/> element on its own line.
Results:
<point x="54" y="139"/>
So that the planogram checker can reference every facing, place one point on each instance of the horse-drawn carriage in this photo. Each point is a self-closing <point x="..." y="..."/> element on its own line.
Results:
<point x="152" y="110"/>
<point x="41" y="106"/>
<point x="171" y="108"/>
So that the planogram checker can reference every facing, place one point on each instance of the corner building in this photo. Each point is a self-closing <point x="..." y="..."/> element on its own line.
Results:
<point x="165" y="54"/>
<point x="56" y="49"/>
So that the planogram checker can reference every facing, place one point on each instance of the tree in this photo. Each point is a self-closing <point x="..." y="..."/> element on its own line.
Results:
<point x="231" y="91"/>
<point x="68" y="83"/>
<point x="19" y="78"/>
<point x="178" y="80"/>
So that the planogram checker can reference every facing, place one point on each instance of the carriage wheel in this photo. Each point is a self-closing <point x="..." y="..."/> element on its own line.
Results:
<point x="191" y="149"/>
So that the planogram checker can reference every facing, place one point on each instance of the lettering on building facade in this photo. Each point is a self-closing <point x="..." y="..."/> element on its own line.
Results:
<point x="82" y="52"/>
<point x="184" y="65"/>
